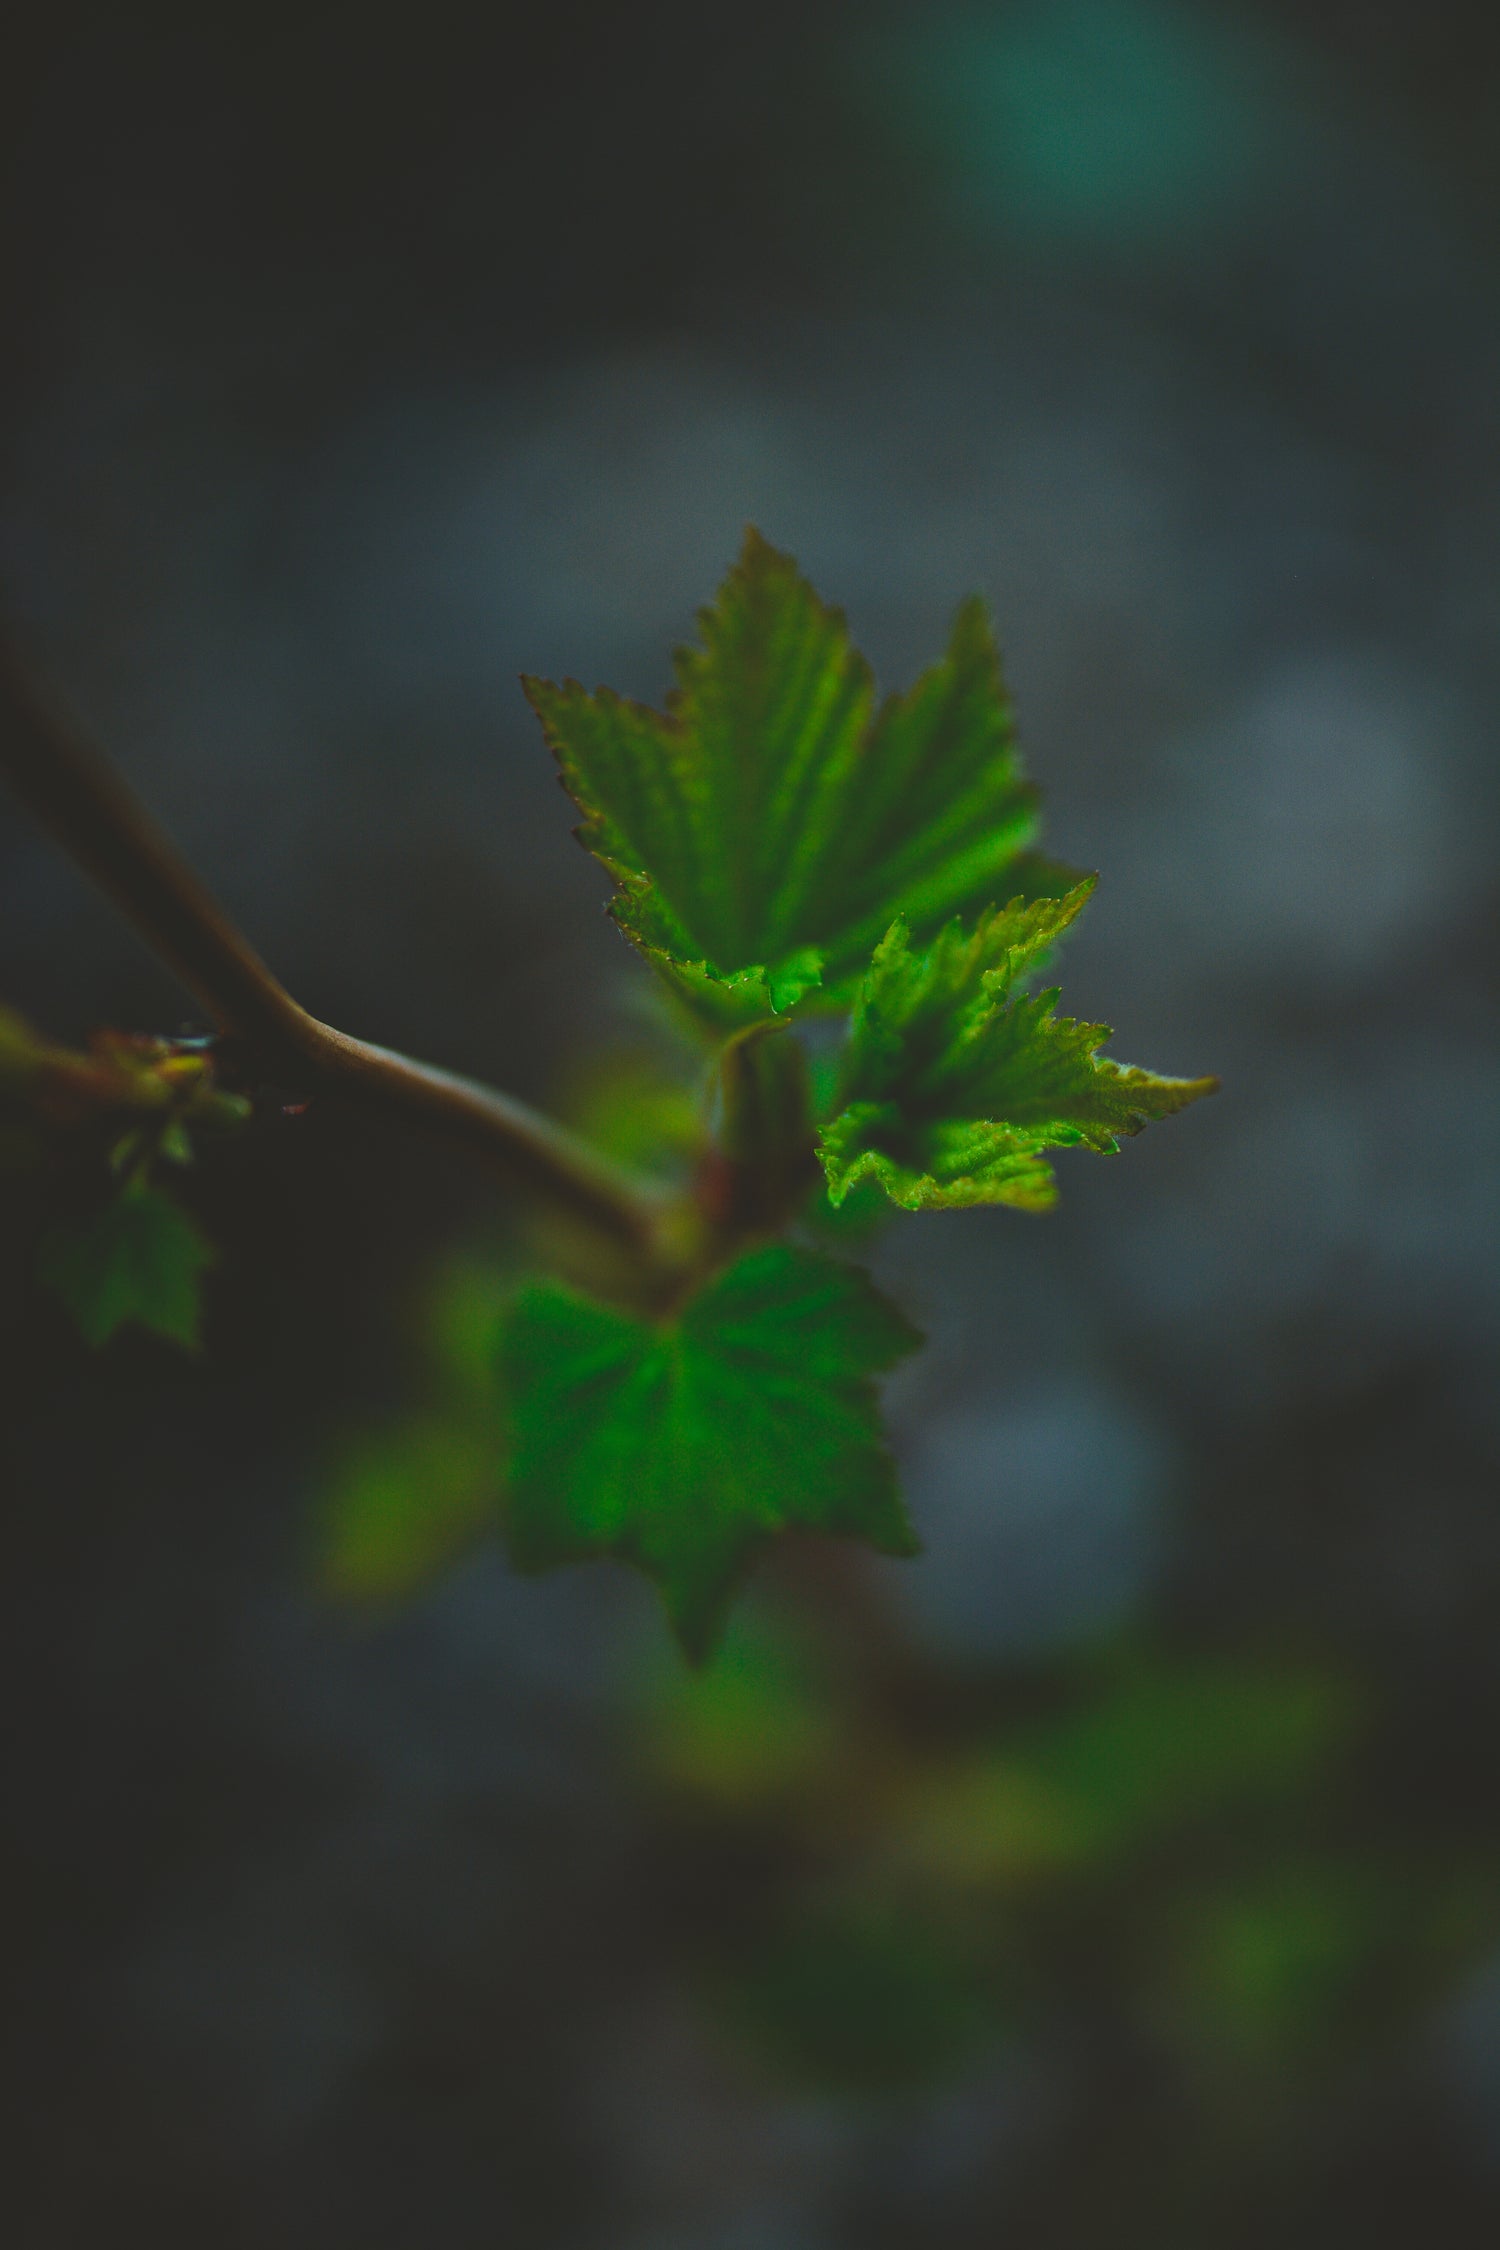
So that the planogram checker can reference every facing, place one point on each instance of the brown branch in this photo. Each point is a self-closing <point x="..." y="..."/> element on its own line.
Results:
<point x="85" y="803"/>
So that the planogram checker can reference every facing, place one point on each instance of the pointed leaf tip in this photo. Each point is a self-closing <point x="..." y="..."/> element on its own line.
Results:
<point x="769" y="813"/>
<point x="957" y="1079"/>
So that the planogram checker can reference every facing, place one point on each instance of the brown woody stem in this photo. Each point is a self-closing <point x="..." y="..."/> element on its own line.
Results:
<point x="76" y="793"/>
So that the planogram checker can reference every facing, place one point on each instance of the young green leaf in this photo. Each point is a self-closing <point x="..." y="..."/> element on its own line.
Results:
<point x="954" y="1085"/>
<point x="765" y="829"/>
<point x="137" y="1258"/>
<point x="681" y="1447"/>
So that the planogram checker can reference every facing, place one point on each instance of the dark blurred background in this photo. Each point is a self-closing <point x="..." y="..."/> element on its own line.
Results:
<point x="1127" y="1870"/>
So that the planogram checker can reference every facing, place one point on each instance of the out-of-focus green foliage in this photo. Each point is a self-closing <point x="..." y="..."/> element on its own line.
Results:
<point x="403" y="1503"/>
<point x="130" y="1254"/>
<point x="400" y="1503"/>
<point x="1173" y="1744"/>
<point x="138" y="1258"/>
<point x="682" y="1445"/>
<point x="1190" y="1828"/>
<point x="750" y="1729"/>
<point x="635" y="1107"/>
<point x="1163" y="1752"/>
<point x="1267" y="1960"/>
<point x="858" y="1996"/>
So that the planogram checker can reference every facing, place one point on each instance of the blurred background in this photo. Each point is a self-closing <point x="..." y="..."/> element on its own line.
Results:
<point x="1126" y="1871"/>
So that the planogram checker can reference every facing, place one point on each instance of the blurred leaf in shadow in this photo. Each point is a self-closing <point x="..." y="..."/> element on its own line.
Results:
<point x="751" y="1728"/>
<point x="136" y="1258"/>
<point x="637" y="1108"/>
<point x="1267" y="1961"/>
<point x="857" y="1996"/>
<point x="1165" y="1748"/>
<point x="401" y="1503"/>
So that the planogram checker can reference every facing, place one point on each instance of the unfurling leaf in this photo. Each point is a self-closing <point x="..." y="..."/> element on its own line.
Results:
<point x="681" y="1446"/>
<point x="955" y="1082"/>
<point x="157" y="1088"/>
<point x="764" y="831"/>
<point x="137" y="1258"/>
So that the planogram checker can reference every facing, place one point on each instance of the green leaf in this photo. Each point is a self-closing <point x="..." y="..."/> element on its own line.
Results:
<point x="137" y="1258"/>
<point x="954" y="1084"/>
<point x="681" y="1447"/>
<point x="764" y="830"/>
